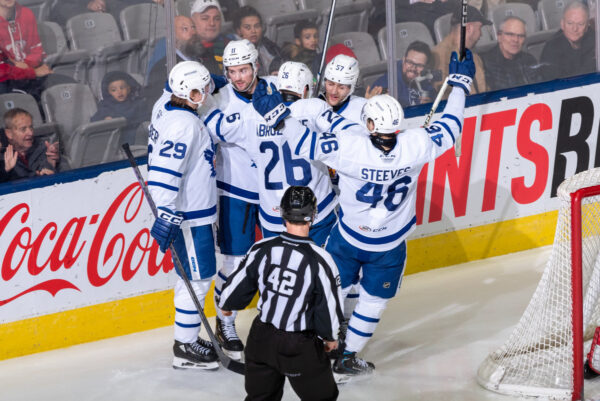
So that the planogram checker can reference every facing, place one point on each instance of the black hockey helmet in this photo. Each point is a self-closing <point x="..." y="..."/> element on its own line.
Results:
<point x="298" y="205"/>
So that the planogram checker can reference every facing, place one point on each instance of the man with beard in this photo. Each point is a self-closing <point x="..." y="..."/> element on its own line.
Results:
<point x="411" y="91"/>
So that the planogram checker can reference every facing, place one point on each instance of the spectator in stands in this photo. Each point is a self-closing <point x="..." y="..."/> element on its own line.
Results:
<point x="305" y="47"/>
<point x="413" y="86"/>
<point x="207" y="18"/>
<point x="506" y="64"/>
<point x="65" y="9"/>
<point x="121" y="98"/>
<point x="451" y="43"/>
<point x="21" y="54"/>
<point x="571" y="51"/>
<point x="248" y="24"/>
<point x="25" y="155"/>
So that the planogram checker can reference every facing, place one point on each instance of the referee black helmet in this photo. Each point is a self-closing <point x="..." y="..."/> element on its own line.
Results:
<point x="298" y="205"/>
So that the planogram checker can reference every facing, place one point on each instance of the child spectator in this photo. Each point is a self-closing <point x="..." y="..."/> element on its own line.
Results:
<point x="305" y="46"/>
<point x="120" y="98"/>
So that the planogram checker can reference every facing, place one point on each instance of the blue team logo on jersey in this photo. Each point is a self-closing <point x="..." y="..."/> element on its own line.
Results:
<point x="209" y="156"/>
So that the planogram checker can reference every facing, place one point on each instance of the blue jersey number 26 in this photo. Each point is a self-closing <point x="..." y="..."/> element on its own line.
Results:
<point x="289" y="164"/>
<point x="373" y="193"/>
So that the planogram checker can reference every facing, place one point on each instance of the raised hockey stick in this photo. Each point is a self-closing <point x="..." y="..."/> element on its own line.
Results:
<point x="226" y="361"/>
<point x="462" y="53"/>
<point x="325" y="42"/>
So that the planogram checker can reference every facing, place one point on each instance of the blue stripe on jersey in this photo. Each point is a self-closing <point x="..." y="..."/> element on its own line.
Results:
<point x="187" y="312"/>
<point x="304" y="136"/>
<point x="365" y="318"/>
<point x="313" y="142"/>
<point x="169" y="106"/>
<point x="445" y="126"/>
<point x="219" y="128"/>
<point x="380" y="240"/>
<point x="360" y="333"/>
<point x="352" y="295"/>
<point x="455" y="119"/>
<point x="325" y="202"/>
<point x="237" y="191"/>
<point x="269" y="218"/>
<point x="335" y="124"/>
<point x="187" y="326"/>
<point x="196" y="214"/>
<point x="165" y="170"/>
<point x="348" y="126"/>
<point x="211" y="116"/>
<point x="346" y="103"/>
<point x="242" y="98"/>
<point x="162" y="185"/>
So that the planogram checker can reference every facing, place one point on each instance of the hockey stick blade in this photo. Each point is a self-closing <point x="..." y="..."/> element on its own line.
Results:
<point x="226" y="361"/>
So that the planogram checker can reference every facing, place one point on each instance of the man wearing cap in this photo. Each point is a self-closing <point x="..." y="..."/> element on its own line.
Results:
<point x="451" y="43"/>
<point x="207" y="16"/>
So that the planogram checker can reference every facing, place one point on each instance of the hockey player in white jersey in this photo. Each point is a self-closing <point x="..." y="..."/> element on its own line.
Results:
<point x="180" y="161"/>
<point x="378" y="178"/>
<point x="237" y="182"/>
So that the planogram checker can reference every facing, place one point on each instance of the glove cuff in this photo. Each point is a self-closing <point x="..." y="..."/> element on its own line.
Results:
<point x="274" y="116"/>
<point x="462" y="81"/>
<point x="170" y="216"/>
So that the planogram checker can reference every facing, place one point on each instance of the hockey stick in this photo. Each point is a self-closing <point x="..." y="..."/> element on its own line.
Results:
<point x="226" y="361"/>
<point x="325" y="42"/>
<point x="434" y="106"/>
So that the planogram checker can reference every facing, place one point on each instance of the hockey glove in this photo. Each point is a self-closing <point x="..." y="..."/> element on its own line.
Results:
<point x="461" y="73"/>
<point x="166" y="227"/>
<point x="219" y="81"/>
<point x="267" y="101"/>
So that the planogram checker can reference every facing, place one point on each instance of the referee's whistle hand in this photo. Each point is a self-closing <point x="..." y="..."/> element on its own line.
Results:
<point x="226" y="312"/>
<point x="330" y="345"/>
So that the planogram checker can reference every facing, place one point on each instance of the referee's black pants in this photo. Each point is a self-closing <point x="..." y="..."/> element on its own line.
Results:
<point x="272" y="354"/>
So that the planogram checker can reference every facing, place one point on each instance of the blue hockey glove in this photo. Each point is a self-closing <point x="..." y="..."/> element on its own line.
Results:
<point x="267" y="101"/>
<point x="219" y="81"/>
<point x="461" y="73"/>
<point x="166" y="227"/>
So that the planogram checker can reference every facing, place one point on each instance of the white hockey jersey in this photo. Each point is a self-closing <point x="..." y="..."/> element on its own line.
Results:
<point x="181" y="170"/>
<point x="236" y="171"/>
<point x="352" y="109"/>
<point x="277" y="168"/>
<point x="377" y="191"/>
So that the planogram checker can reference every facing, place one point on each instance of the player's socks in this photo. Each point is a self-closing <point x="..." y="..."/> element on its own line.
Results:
<point x="196" y="355"/>
<point x="228" y="339"/>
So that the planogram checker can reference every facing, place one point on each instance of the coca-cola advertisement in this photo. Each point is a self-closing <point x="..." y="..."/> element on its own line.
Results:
<point x="75" y="244"/>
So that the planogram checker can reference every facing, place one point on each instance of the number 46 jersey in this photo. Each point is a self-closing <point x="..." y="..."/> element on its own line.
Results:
<point x="181" y="171"/>
<point x="377" y="190"/>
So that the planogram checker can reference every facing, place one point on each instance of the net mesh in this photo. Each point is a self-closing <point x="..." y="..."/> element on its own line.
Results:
<point x="537" y="359"/>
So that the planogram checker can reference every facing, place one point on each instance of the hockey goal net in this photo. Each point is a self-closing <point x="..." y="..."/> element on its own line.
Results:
<point x="543" y="356"/>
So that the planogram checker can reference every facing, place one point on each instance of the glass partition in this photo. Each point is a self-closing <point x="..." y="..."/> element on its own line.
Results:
<point x="88" y="72"/>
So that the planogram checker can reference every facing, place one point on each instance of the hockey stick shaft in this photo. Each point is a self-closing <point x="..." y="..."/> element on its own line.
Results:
<point x="324" y="50"/>
<point x="462" y="54"/>
<point x="227" y="362"/>
<point x="436" y="102"/>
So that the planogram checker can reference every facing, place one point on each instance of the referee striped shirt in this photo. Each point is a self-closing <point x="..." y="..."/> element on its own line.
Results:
<point x="298" y="282"/>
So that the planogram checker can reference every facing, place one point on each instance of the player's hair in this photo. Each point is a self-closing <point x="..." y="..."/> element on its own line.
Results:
<point x="11" y="114"/>
<point x="243" y="12"/>
<point x="302" y="25"/>
<point x="420" y="47"/>
<point x="177" y="101"/>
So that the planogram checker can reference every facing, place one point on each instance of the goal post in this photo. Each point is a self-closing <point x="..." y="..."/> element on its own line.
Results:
<point x="544" y="355"/>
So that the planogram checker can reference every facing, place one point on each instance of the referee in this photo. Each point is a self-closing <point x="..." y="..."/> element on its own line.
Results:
<point x="299" y="307"/>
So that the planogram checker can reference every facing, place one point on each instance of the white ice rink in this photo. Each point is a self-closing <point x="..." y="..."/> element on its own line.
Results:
<point x="428" y="346"/>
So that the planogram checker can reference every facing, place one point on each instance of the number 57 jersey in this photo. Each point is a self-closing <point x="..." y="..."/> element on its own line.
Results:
<point x="181" y="171"/>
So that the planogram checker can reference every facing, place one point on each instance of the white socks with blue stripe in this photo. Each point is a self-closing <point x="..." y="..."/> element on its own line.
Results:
<point x="364" y="320"/>
<point x="230" y="263"/>
<point x="187" y="319"/>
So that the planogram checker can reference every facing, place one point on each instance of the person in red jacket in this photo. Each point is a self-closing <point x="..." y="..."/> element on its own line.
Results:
<point x="21" y="53"/>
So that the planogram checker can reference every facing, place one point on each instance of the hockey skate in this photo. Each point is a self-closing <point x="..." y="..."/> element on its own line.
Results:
<point x="197" y="355"/>
<point x="349" y="365"/>
<point x="229" y="340"/>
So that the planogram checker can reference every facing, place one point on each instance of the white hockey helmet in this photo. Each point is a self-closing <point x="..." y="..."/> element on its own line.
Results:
<point x="187" y="76"/>
<point x="385" y="112"/>
<point x="239" y="52"/>
<point x="295" y="77"/>
<point x="344" y="70"/>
